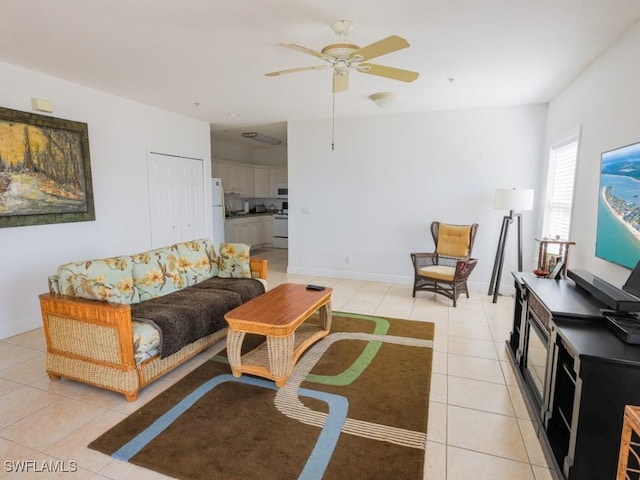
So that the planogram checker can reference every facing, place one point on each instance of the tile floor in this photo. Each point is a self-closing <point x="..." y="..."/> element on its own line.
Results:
<point x="479" y="426"/>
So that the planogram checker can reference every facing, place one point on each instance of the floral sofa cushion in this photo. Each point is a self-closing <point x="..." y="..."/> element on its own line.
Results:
<point x="158" y="272"/>
<point x="109" y="279"/>
<point x="198" y="260"/>
<point x="146" y="340"/>
<point x="234" y="260"/>
<point x="54" y="284"/>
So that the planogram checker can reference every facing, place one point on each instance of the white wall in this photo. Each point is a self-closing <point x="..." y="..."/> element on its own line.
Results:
<point x="373" y="198"/>
<point x="121" y="132"/>
<point x="236" y="152"/>
<point x="276" y="155"/>
<point x="605" y="102"/>
<point x="233" y="152"/>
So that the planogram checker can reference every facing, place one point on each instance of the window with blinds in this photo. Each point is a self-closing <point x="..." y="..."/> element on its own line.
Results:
<point x="559" y="201"/>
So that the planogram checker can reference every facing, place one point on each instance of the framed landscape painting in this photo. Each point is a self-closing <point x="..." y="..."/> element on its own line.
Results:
<point x="45" y="170"/>
<point x="618" y="232"/>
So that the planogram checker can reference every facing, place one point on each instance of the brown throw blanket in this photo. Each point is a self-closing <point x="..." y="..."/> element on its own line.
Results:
<point x="195" y="312"/>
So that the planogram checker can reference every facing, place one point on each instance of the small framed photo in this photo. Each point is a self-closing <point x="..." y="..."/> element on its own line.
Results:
<point x="557" y="268"/>
<point x="552" y="259"/>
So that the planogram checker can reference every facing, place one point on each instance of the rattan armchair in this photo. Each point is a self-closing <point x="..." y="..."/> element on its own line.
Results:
<point x="446" y="270"/>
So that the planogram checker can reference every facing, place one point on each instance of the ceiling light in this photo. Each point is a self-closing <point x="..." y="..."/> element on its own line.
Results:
<point x="261" y="138"/>
<point x="385" y="99"/>
<point x="342" y="27"/>
<point x="341" y="67"/>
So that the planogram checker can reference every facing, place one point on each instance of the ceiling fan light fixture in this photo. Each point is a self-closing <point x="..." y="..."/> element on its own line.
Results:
<point x="341" y="67"/>
<point x="385" y="99"/>
<point x="261" y="138"/>
<point x="342" y="28"/>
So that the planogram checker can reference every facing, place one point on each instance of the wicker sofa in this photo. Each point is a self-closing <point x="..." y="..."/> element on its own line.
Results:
<point x="100" y="315"/>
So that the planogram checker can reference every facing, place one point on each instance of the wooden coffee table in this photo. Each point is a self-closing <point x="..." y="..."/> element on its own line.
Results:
<point x="279" y="314"/>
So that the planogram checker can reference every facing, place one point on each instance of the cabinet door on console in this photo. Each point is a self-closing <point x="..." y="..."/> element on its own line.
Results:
<point x="560" y="425"/>
<point x="606" y="388"/>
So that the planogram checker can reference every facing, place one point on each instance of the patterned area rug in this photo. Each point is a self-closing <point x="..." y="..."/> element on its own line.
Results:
<point x="355" y="407"/>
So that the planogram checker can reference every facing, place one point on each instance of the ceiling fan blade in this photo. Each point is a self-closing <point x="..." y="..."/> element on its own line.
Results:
<point x="294" y="70"/>
<point x="389" y="72"/>
<point x="340" y="81"/>
<point x="302" y="49"/>
<point x="381" y="47"/>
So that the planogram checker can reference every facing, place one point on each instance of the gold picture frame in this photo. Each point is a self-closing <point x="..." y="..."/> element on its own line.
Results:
<point x="45" y="170"/>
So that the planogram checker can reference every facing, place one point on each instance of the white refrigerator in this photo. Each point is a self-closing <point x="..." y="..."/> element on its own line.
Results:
<point x="217" y="206"/>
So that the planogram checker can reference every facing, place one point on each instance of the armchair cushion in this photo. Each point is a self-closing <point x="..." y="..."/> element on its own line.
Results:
<point x="438" y="272"/>
<point x="453" y="240"/>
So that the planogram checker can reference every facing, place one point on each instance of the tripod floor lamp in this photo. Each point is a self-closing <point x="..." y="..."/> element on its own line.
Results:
<point x="515" y="201"/>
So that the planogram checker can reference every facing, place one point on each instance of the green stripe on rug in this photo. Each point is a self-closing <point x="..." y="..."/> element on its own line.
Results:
<point x="356" y="368"/>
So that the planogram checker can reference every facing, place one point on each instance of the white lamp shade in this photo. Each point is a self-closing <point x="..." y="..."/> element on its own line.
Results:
<point x="513" y="199"/>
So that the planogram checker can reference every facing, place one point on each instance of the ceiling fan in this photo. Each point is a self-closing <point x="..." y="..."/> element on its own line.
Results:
<point x="343" y="56"/>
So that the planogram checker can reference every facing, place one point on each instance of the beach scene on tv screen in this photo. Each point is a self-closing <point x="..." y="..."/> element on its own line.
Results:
<point x="618" y="234"/>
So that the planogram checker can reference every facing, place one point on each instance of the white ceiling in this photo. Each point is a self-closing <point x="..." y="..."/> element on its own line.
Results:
<point x="207" y="58"/>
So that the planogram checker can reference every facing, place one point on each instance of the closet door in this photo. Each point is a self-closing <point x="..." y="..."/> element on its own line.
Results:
<point x="193" y="208"/>
<point x="176" y="199"/>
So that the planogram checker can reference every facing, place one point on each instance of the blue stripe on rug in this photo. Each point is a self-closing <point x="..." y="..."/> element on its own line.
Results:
<point x="320" y="456"/>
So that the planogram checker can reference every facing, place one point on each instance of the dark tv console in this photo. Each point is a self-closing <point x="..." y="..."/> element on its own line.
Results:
<point x="576" y="375"/>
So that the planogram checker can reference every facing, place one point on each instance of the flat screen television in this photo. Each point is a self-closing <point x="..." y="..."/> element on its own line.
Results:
<point x="618" y="231"/>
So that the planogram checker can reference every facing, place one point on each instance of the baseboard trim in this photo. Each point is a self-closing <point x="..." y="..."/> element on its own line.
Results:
<point x="505" y="289"/>
<point x="19" y="326"/>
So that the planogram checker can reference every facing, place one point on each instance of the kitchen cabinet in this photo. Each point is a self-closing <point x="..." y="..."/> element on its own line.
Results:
<point x="249" y="181"/>
<point x="261" y="177"/>
<point x="229" y="232"/>
<point x="281" y="174"/>
<point x="268" y="225"/>
<point x="260" y="232"/>
<point x="241" y="233"/>
<point x="276" y="175"/>
<point x="255" y="230"/>
<point x="228" y="177"/>
<point x="244" y="175"/>
<point x="237" y="178"/>
<point x="268" y="178"/>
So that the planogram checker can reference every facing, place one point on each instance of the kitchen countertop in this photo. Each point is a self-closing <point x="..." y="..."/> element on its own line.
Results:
<point x="250" y="214"/>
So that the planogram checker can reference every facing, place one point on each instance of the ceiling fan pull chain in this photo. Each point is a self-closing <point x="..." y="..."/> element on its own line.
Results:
<point x="333" y="115"/>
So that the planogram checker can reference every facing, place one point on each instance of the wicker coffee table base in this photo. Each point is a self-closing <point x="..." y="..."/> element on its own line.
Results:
<point x="276" y="358"/>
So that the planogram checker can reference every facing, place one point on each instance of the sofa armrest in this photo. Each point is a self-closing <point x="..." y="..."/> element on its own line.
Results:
<point x="89" y="329"/>
<point x="258" y="267"/>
